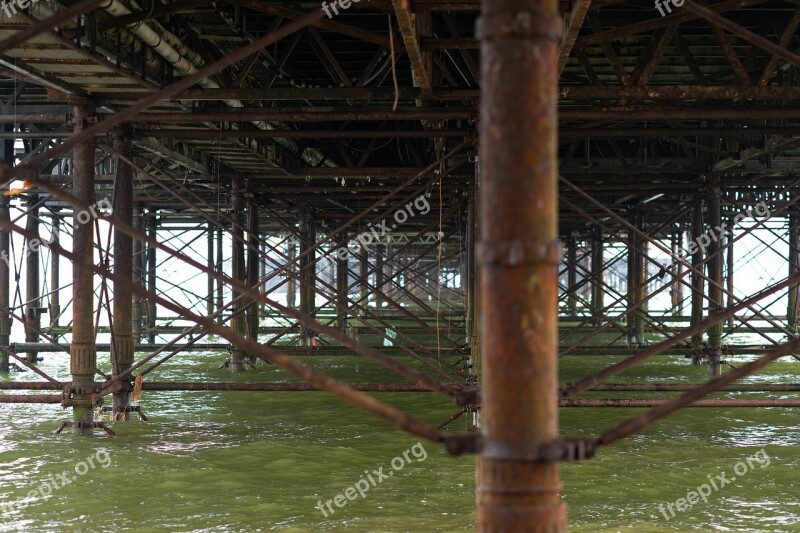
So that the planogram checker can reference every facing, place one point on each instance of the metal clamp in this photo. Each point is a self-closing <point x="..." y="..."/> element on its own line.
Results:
<point x="566" y="450"/>
<point x="518" y="253"/>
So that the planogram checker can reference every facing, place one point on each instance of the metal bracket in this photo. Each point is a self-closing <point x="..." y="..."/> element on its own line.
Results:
<point x="518" y="253"/>
<point x="568" y="449"/>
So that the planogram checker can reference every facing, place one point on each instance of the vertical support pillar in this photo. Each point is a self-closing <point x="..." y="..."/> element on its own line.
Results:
<point x="291" y="284"/>
<point x="238" y="270"/>
<point x="342" y="279"/>
<point x="5" y="278"/>
<point x="730" y="267"/>
<point x="138" y="278"/>
<point x="32" y="285"/>
<point x="210" y="266"/>
<point x="308" y="270"/>
<point x="634" y="279"/>
<point x="715" y="302"/>
<point x="572" y="275"/>
<point x="379" y="276"/>
<point x="640" y="273"/>
<point x="55" y="265"/>
<point x="151" y="277"/>
<point x="83" y="351"/>
<point x="674" y="272"/>
<point x="519" y="254"/>
<point x="598" y="276"/>
<point x="794" y="257"/>
<point x="122" y="347"/>
<point x="363" y="276"/>
<point x="697" y="279"/>
<point x="473" y="286"/>
<point x="253" y="260"/>
<point x="220" y="285"/>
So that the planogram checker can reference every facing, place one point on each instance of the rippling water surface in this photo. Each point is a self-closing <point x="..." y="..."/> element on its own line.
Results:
<point x="238" y="461"/>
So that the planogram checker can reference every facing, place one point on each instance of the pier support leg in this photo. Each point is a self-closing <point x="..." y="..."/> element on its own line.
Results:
<point x="5" y="278"/>
<point x="729" y="277"/>
<point x="715" y="302"/>
<point x="291" y="284"/>
<point x="520" y="290"/>
<point x="220" y="285"/>
<point x="138" y="278"/>
<point x="794" y="257"/>
<point x="238" y="272"/>
<point x="308" y="270"/>
<point x="253" y="261"/>
<point x="152" y="308"/>
<point x="211" y="263"/>
<point x="342" y="278"/>
<point x="122" y="347"/>
<point x="83" y="351"/>
<point x="598" y="276"/>
<point x="32" y="285"/>
<point x="55" y="264"/>
<point x="572" y="276"/>
<point x="697" y="279"/>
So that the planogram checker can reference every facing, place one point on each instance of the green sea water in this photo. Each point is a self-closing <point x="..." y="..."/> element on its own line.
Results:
<point x="235" y="461"/>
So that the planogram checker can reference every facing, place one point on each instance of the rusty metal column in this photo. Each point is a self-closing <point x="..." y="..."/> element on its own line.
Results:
<point x="598" y="277"/>
<point x="730" y="268"/>
<point x="253" y="260"/>
<point x="379" y="277"/>
<point x="715" y="302"/>
<point x="83" y="351"/>
<point x="519" y="255"/>
<point x="55" y="264"/>
<point x="342" y="278"/>
<point x="363" y="277"/>
<point x="238" y="270"/>
<point x="697" y="278"/>
<point x="219" y="269"/>
<point x="152" y="308"/>
<point x="291" y="284"/>
<point x="572" y="275"/>
<point x="5" y="279"/>
<point x="136" y="274"/>
<point x="674" y="272"/>
<point x="794" y="257"/>
<point x="210" y="264"/>
<point x="32" y="285"/>
<point x="640" y="276"/>
<point x="308" y="270"/>
<point x="122" y="347"/>
<point x="632" y="292"/>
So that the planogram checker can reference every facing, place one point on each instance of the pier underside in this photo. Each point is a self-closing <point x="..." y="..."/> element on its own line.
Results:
<point x="467" y="195"/>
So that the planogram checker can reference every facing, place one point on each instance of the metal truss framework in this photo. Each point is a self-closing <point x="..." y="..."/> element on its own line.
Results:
<point x="250" y="146"/>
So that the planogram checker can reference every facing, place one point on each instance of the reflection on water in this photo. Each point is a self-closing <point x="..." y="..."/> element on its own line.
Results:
<point x="261" y="461"/>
